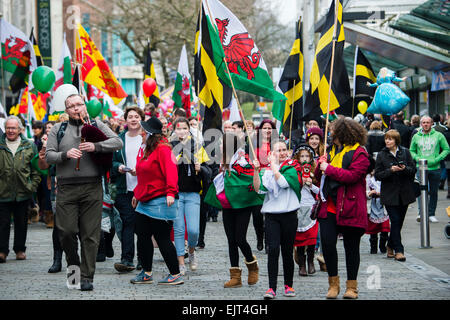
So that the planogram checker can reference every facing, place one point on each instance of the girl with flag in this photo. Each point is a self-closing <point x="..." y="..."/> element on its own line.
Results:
<point x="232" y="191"/>
<point x="192" y="174"/>
<point x="343" y="206"/>
<point x="280" y="182"/>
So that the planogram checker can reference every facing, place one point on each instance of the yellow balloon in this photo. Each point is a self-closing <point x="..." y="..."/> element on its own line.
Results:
<point x="362" y="106"/>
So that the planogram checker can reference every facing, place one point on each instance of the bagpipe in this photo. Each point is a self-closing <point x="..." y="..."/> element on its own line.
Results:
<point x="91" y="133"/>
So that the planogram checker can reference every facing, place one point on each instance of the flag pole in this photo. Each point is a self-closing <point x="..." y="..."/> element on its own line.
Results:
<point x="234" y="93"/>
<point x="292" y="115"/>
<point x="3" y="77"/>
<point x="336" y="6"/>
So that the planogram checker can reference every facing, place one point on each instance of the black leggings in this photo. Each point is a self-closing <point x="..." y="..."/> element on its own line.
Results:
<point x="235" y="223"/>
<point x="160" y="229"/>
<point x="280" y="232"/>
<point x="352" y="236"/>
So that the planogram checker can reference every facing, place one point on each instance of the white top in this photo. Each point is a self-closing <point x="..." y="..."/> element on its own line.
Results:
<point x="307" y="198"/>
<point x="13" y="145"/>
<point x="280" y="198"/>
<point x="132" y="145"/>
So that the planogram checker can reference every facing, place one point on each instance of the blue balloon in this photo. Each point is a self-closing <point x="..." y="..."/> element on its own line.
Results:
<point x="389" y="99"/>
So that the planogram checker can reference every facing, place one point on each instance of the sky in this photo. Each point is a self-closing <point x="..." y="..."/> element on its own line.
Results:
<point x="287" y="10"/>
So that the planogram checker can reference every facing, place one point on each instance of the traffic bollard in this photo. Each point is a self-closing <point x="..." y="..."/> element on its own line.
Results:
<point x="424" y="222"/>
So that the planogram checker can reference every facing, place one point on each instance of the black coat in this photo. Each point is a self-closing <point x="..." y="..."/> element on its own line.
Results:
<point x="405" y="132"/>
<point x="375" y="141"/>
<point x="397" y="188"/>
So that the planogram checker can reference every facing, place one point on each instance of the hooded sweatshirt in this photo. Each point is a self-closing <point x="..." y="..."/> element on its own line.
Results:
<point x="431" y="146"/>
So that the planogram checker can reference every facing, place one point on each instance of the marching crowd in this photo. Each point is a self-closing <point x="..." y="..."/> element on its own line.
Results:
<point x="157" y="178"/>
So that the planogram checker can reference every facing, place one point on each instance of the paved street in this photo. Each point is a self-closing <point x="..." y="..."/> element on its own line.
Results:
<point x="424" y="276"/>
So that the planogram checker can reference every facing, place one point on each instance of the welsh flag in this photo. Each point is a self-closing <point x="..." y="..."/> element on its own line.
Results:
<point x="64" y="71"/>
<point x="94" y="69"/>
<point x="37" y="102"/>
<point x="237" y="187"/>
<point x="182" y="93"/>
<point x="17" y="50"/>
<point x="230" y="39"/>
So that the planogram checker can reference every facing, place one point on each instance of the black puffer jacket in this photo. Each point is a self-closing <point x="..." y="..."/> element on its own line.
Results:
<point x="396" y="187"/>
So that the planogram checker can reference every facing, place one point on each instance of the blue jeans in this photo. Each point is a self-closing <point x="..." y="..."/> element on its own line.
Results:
<point x="189" y="208"/>
<point x="434" y="177"/>
<point x="128" y="216"/>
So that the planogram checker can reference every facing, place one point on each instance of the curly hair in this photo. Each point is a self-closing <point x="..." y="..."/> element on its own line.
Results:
<point x="349" y="132"/>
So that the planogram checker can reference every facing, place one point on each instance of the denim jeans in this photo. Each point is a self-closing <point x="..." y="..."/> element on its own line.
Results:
<point x="19" y="211"/>
<point x="434" y="177"/>
<point x="128" y="216"/>
<point x="189" y="210"/>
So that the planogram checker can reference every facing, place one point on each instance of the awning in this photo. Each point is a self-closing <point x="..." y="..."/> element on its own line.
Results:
<point x="395" y="48"/>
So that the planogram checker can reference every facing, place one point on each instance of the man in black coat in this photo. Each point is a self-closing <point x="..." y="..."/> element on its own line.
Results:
<point x="402" y="128"/>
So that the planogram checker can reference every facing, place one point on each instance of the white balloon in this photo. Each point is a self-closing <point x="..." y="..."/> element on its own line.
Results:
<point x="61" y="94"/>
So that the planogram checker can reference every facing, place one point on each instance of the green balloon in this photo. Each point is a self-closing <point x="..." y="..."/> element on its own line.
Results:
<point x="43" y="79"/>
<point x="94" y="107"/>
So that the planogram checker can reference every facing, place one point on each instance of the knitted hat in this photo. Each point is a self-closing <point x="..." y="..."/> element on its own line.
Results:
<point x="306" y="147"/>
<point x="314" y="131"/>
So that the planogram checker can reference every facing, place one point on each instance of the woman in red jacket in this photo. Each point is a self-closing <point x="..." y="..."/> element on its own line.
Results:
<point x="343" y="207"/>
<point x="155" y="196"/>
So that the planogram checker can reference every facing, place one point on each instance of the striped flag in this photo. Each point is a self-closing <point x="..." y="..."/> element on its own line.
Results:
<point x="292" y="75"/>
<point x="317" y="96"/>
<point x="64" y="70"/>
<point x="182" y="93"/>
<point x="363" y="73"/>
<point x="213" y="93"/>
<point x="149" y="72"/>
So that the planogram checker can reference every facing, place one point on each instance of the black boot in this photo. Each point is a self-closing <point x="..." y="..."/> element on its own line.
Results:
<point x="383" y="240"/>
<point x="57" y="263"/>
<point x="109" y="236"/>
<point x="101" y="256"/>
<point x="260" y="240"/>
<point x="310" y="259"/>
<point x="373" y="243"/>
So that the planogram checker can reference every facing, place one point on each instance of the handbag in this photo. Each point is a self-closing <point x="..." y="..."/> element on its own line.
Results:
<point x="416" y="186"/>
<point x="315" y="210"/>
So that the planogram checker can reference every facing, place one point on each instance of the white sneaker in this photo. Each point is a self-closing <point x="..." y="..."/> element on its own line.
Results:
<point x="418" y="218"/>
<point x="433" y="219"/>
<point x="182" y="269"/>
<point x="193" y="261"/>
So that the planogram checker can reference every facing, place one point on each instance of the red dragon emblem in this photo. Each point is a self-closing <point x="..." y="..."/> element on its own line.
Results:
<point x="238" y="51"/>
<point x="13" y="50"/>
<point x="185" y="95"/>
<point x="248" y="169"/>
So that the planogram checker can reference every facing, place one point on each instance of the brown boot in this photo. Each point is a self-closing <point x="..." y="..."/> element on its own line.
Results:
<point x="253" y="271"/>
<point x="34" y="213"/>
<point x="2" y="257"/>
<point x="302" y="266"/>
<point x="21" y="255"/>
<point x="399" y="256"/>
<point x="322" y="265"/>
<point x="390" y="253"/>
<point x="310" y="258"/>
<point x="48" y="218"/>
<point x="333" y="289"/>
<point x="235" y="278"/>
<point x="352" y="290"/>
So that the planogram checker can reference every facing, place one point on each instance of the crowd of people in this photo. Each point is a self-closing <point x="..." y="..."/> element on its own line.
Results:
<point x="302" y="194"/>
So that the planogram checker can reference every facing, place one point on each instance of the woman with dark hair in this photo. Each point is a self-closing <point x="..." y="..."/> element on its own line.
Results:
<point x="395" y="168"/>
<point x="230" y="192"/>
<point x="155" y="199"/>
<point x="193" y="173"/>
<point x="343" y="206"/>
<point x="262" y="149"/>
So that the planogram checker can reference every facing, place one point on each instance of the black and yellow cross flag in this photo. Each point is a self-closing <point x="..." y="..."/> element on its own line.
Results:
<point x="19" y="79"/>
<point x="291" y="84"/>
<point x="317" y="96"/>
<point x="363" y="73"/>
<point x="149" y="72"/>
<point x="212" y="92"/>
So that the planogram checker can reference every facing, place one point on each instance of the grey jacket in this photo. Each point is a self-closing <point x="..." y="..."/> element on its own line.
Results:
<point x="65" y="167"/>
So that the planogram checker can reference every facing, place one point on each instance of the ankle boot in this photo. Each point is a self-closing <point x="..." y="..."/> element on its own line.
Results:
<point x="383" y="240"/>
<point x="322" y="265"/>
<point x="333" y="289"/>
<point x="352" y="290"/>
<point x="253" y="271"/>
<point x="260" y="241"/>
<point x="57" y="262"/>
<point x="373" y="244"/>
<point x="48" y="218"/>
<point x="109" y="236"/>
<point x="235" y="278"/>
<point x="302" y="266"/>
<point x="310" y="257"/>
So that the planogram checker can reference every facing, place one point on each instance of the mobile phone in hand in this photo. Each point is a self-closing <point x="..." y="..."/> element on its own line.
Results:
<point x="126" y="169"/>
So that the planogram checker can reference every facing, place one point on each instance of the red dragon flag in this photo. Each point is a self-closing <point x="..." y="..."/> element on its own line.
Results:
<point x="94" y="69"/>
<point x="248" y="70"/>
<point x="182" y="94"/>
